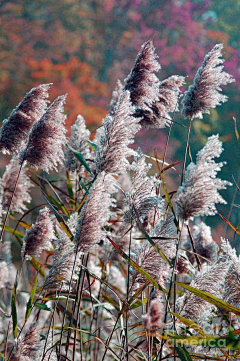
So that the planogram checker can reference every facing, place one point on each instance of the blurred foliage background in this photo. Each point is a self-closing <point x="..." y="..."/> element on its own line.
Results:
<point x="83" y="47"/>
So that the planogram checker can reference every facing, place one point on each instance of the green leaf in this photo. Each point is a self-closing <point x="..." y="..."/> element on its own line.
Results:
<point x="189" y="323"/>
<point x="13" y="231"/>
<point x="229" y="341"/>
<point x="182" y="353"/>
<point x="83" y="186"/>
<point x="31" y="298"/>
<point x="236" y="131"/>
<point x="81" y="158"/>
<point x="169" y="201"/>
<point x="209" y="298"/>
<point x="137" y="267"/>
<point x="139" y="291"/>
<point x="59" y="203"/>
<point x="69" y="184"/>
<point x="2" y="356"/>
<point x="37" y="267"/>
<point x="92" y="145"/>
<point x="139" y="303"/>
<point x="59" y="217"/>
<point x="69" y="188"/>
<point x="42" y="306"/>
<point x="14" y="306"/>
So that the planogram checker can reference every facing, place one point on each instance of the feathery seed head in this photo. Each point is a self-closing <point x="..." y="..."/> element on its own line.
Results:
<point x="205" y="91"/>
<point x="95" y="213"/>
<point x="211" y="281"/>
<point x="204" y="244"/>
<point x="227" y="252"/>
<point x="28" y="346"/>
<point x="7" y="185"/>
<point x="79" y="137"/>
<point x="63" y="244"/>
<point x="147" y="258"/>
<point x="142" y="82"/>
<point x="15" y="129"/>
<point x="143" y="194"/>
<point x="44" y="149"/>
<point x="60" y="274"/>
<point x="232" y="285"/>
<point x="157" y="115"/>
<point x="153" y="320"/>
<point x="39" y="237"/>
<point x="115" y="97"/>
<point x="199" y="192"/>
<point x="119" y="132"/>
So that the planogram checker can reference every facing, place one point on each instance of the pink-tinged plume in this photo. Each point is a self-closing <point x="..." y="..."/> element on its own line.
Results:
<point x="157" y="116"/>
<point x="117" y="133"/>
<point x="44" y="149"/>
<point x="7" y="185"/>
<point x="15" y="129"/>
<point x="204" y="93"/>
<point x="95" y="213"/>
<point x="142" y="81"/>
<point x="39" y="237"/>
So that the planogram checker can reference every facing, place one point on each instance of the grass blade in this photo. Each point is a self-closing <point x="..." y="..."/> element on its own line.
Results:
<point x="209" y="298"/>
<point x="81" y="158"/>
<point x="230" y="224"/>
<point x="14" y="306"/>
<point x="137" y="267"/>
<point x="59" y="217"/>
<point x="31" y="298"/>
<point x="189" y="323"/>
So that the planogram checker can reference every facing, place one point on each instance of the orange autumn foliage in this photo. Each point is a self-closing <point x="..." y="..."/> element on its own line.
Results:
<point x="86" y="95"/>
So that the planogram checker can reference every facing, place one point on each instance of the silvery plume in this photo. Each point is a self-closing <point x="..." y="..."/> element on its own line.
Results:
<point x="232" y="280"/>
<point x="62" y="243"/>
<point x="39" y="237"/>
<point x="143" y="193"/>
<point x="199" y="192"/>
<point x="79" y="138"/>
<point x="157" y="115"/>
<point x="166" y="237"/>
<point x="228" y="251"/>
<point x="142" y="81"/>
<point x="204" y="93"/>
<point x="44" y="148"/>
<point x="118" y="132"/>
<point x="7" y="185"/>
<point x="166" y="233"/>
<point x="211" y="281"/>
<point x="149" y="259"/>
<point x="95" y="213"/>
<point x="232" y="285"/>
<point x="28" y="346"/>
<point x="204" y="244"/>
<point x="115" y="97"/>
<point x="15" y="129"/>
<point x="63" y="270"/>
